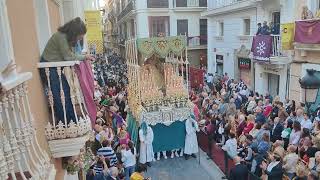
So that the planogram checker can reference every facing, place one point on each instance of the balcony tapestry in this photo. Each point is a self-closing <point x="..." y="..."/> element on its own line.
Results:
<point x="261" y="48"/>
<point x="287" y="35"/>
<point x="161" y="46"/>
<point x="86" y="80"/>
<point x="307" y="32"/>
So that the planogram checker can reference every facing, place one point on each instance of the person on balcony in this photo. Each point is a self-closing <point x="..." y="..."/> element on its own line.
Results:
<point x="61" y="47"/>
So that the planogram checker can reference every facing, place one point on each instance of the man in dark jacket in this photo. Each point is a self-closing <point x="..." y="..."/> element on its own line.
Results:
<point x="240" y="171"/>
<point x="276" y="130"/>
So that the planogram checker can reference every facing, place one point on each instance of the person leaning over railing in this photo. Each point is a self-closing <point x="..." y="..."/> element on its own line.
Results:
<point x="61" y="47"/>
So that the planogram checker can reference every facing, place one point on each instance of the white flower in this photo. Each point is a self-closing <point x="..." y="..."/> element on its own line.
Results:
<point x="261" y="47"/>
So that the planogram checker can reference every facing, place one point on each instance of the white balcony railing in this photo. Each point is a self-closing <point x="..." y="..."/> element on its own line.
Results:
<point x="21" y="157"/>
<point x="214" y="4"/>
<point x="66" y="136"/>
<point x="276" y="45"/>
<point x="190" y="3"/>
<point x="194" y="41"/>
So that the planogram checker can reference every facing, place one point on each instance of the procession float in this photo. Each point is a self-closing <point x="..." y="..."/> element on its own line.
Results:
<point x="158" y="88"/>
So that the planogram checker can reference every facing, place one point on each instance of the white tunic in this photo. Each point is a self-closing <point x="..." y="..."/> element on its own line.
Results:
<point x="191" y="142"/>
<point x="146" y="149"/>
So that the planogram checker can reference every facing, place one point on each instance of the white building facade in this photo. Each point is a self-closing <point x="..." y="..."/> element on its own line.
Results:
<point x="148" y="18"/>
<point x="231" y="27"/>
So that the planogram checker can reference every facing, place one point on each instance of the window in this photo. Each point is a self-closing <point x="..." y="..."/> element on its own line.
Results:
<point x="221" y="29"/>
<point x="159" y="24"/>
<point x="276" y="17"/>
<point x="202" y="3"/>
<point x="219" y="61"/>
<point x="246" y="26"/>
<point x="125" y="31"/>
<point x="203" y="31"/>
<point x="123" y="5"/>
<point x="133" y="32"/>
<point x="182" y="27"/>
<point x="181" y="3"/>
<point x="158" y="4"/>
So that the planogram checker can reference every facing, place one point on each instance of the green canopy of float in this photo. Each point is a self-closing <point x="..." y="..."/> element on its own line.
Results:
<point x="161" y="46"/>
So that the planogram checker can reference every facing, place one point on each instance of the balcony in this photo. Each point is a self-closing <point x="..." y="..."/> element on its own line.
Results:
<point x="218" y="7"/>
<point x="21" y="156"/>
<point x="126" y="11"/>
<point x="69" y="126"/>
<point x="223" y="3"/>
<point x="277" y="55"/>
<point x="276" y="46"/>
<point x="197" y="42"/>
<point x="190" y="5"/>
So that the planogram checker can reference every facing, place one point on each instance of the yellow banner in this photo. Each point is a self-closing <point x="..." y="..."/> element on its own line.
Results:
<point x="287" y="36"/>
<point x="94" y="31"/>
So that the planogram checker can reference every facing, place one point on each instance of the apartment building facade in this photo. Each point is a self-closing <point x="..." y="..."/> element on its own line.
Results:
<point x="306" y="55"/>
<point x="231" y="28"/>
<point x="25" y="27"/>
<point x="149" y="18"/>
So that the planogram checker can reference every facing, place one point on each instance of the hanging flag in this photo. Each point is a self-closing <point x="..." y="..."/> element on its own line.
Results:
<point x="287" y="36"/>
<point x="93" y="21"/>
<point x="307" y="32"/>
<point x="261" y="47"/>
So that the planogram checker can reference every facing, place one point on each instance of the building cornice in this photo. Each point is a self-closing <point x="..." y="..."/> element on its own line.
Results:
<point x="240" y="6"/>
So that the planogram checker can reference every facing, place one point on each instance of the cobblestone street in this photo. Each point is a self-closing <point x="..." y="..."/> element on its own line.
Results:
<point x="181" y="169"/>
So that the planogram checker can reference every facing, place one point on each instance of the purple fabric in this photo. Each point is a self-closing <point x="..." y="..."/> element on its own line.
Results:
<point x="119" y="119"/>
<point x="307" y="32"/>
<point x="86" y="79"/>
<point x="262" y="47"/>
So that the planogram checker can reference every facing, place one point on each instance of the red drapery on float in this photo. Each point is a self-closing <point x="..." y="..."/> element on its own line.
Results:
<point x="196" y="77"/>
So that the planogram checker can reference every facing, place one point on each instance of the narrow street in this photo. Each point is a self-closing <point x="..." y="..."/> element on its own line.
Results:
<point x="181" y="169"/>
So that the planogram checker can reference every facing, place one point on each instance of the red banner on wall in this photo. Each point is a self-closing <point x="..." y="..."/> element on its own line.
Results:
<point x="307" y="32"/>
<point x="196" y="77"/>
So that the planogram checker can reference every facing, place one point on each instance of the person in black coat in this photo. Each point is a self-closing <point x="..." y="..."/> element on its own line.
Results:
<point x="276" y="130"/>
<point x="240" y="171"/>
<point x="274" y="169"/>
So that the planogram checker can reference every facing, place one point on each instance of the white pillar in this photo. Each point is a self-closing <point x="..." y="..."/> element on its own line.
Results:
<point x="6" y="47"/>
<point x="43" y="23"/>
<point x="212" y="64"/>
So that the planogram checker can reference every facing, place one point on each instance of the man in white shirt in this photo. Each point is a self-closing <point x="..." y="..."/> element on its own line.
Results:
<point x="231" y="146"/>
<point x="306" y="122"/>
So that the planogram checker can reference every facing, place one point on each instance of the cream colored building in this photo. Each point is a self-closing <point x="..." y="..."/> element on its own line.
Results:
<point x="306" y="56"/>
<point x="25" y="27"/>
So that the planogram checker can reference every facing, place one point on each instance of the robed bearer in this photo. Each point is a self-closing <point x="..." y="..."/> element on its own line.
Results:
<point x="191" y="143"/>
<point x="146" y="139"/>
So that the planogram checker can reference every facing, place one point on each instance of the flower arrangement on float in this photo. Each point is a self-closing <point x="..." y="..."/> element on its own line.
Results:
<point x="83" y="161"/>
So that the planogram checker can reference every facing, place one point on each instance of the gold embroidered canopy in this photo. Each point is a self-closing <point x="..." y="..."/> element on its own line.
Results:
<point x="161" y="46"/>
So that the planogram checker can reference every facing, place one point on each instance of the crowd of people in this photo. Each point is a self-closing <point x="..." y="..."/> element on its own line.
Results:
<point x="263" y="135"/>
<point x="115" y="153"/>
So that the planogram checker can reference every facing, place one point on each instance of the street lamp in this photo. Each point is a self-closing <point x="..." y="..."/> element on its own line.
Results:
<point x="310" y="85"/>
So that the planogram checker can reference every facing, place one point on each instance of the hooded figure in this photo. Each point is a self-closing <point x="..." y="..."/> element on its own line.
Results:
<point x="146" y="139"/>
<point x="191" y="143"/>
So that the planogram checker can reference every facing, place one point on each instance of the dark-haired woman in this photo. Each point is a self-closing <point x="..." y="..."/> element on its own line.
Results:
<point x="61" y="47"/>
<point x="128" y="157"/>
